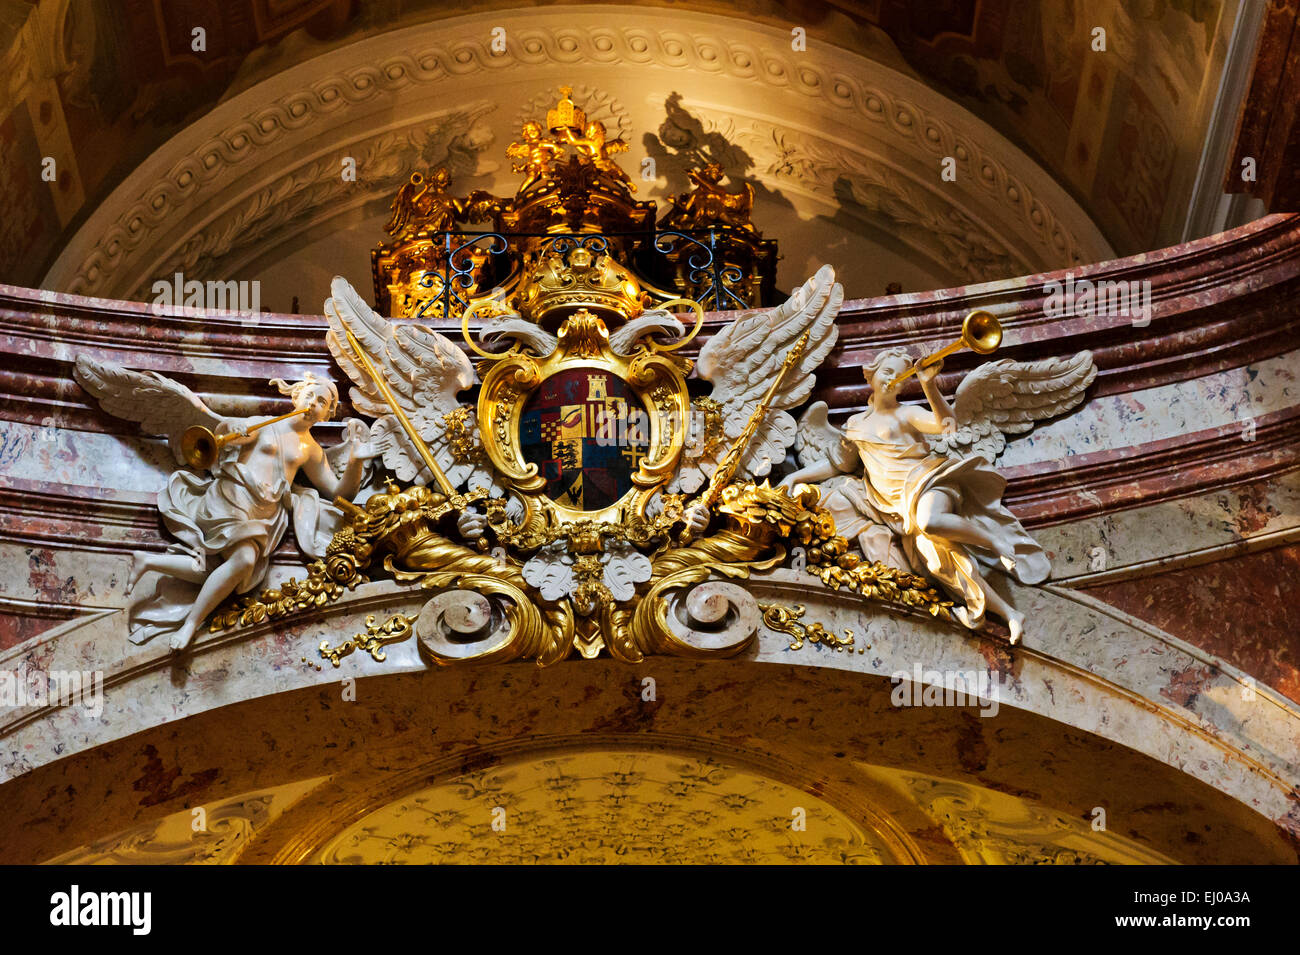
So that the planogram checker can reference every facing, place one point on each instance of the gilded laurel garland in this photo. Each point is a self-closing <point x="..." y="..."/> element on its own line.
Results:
<point x="876" y="581"/>
<point x="320" y="587"/>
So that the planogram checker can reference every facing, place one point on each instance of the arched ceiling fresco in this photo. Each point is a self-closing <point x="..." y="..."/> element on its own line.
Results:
<point x="815" y="767"/>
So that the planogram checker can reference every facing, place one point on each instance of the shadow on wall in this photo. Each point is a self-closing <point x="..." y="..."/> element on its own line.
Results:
<point x="875" y="211"/>
<point x="684" y="143"/>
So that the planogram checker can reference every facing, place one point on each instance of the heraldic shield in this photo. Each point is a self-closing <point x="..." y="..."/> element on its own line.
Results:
<point x="586" y="431"/>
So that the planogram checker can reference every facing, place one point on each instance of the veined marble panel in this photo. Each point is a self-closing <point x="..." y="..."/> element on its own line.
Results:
<point x="1233" y="397"/>
<point x="1240" y="609"/>
<point x="1191" y="530"/>
<point x="133" y="468"/>
<point x="1082" y="664"/>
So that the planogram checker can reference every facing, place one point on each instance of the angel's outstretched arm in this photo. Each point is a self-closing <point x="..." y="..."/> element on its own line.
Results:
<point x="824" y="450"/>
<point x="321" y="474"/>
<point x="814" y="473"/>
<point x="935" y="423"/>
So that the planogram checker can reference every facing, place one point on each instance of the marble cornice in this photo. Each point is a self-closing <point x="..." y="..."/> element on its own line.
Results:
<point x="1056" y="492"/>
<point x="1220" y="303"/>
<point x="1217" y="303"/>
<point x="43" y="514"/>
<point x="38" y="315"/>
<point x="1209" y="299"/>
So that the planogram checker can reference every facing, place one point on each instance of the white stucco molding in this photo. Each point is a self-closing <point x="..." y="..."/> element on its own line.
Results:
<point x="1082" y="663"/>
<point x="225" y="173"/>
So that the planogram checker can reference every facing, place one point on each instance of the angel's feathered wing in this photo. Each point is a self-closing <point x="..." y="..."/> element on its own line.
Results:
<point x="162" y="406"/>
<point x="403" y="209"/>
<point x="425" y="371"/>
<point x="742" y="361"/>
<point x="1008" y="397"/>
<point x="819" y="440"/>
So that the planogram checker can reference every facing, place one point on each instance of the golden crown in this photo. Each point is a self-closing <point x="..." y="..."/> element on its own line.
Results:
<point x="565" y="113"/>
<point x="580" y="278"/>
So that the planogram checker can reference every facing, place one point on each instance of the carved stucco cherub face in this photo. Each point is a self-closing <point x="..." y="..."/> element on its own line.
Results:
<point x="885" y="371"/>
<point x="319" y="399"/>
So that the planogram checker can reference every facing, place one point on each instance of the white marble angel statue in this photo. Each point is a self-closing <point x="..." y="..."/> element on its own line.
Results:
<point x="741" y="362"/>
<point x="230" y="520"/>
<point x="924" y="478"/>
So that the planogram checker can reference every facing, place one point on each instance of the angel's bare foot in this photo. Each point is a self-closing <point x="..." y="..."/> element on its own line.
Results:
<point x="183" y="637"/>
<point x="1016" y="624"/>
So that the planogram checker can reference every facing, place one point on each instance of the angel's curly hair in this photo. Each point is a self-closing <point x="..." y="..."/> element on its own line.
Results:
<point x="898" y="351"/>
<point x="307" y="382"/>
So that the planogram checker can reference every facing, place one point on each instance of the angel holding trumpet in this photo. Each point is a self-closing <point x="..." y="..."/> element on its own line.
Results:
<point x="230" y="520"/>
<point x="924" y="477"/>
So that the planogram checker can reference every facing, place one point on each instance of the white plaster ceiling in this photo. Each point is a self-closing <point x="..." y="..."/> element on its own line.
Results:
<point x="844" y="152"/>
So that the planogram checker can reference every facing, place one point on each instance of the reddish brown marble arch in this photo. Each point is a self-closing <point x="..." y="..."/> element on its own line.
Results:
<point x="1242" y="609"/>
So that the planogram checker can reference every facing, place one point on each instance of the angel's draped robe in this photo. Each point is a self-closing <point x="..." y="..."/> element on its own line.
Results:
<point x="898" y="473"/>
<point x="212" y="514"/>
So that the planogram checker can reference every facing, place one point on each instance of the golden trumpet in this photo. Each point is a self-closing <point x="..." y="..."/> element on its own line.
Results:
<point x="981" y="332"/>
<point x="200" y="446"/>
